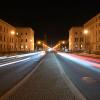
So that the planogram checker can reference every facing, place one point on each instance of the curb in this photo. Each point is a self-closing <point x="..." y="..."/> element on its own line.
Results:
<point x="12" y="90"/>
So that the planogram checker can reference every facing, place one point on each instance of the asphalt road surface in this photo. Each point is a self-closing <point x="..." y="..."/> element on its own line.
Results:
<point x="15" y="68"/>
<point x="48" y="81"/>
<point x="83" y="72"/>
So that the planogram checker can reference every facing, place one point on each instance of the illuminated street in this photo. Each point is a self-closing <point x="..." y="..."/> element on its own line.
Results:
<point x="46" y="83"/>
<point x="58" y="77"/>
<point x="84" y="73"/>
<point x="14" y="68"/>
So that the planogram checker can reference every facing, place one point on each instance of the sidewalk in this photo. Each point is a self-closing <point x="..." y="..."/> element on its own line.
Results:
<point x="46" y="83"/>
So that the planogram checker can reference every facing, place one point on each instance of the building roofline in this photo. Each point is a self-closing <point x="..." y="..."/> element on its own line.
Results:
<point x="76" y="27"/>
<point x="25" y="28"/>
<point x="92" y="18"/>
<point x="6" y="23"/>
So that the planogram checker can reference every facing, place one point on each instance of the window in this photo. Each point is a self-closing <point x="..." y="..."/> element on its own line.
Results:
<point x="4" y="38"/>
<point x="7" y="30"/>
<point x="76" y="46"/>
<point x="0" y="38"/>
<point x="16" y="40"/>
<point x="4" y="29"/>
<point x="4" y="46"/>
<point x="0" y="46"/>
<point x="21" y="46"/>
<point x="21" y="40"/>
<point x="81" y="46"/>
<point x="76" y="39"/>
<point x="0" y="28"/>
<point x="12" y="40"/>
<point x="81" y="39"/>
<point x="98" y="31"/>
<point x="26" y="47"/>
<point x="76" y="33"/>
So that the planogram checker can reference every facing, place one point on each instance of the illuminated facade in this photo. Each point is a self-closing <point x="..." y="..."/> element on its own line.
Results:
<point x="26" y="39"/>
<point x="76" y="39"/>
<point x="11" y="38"/>
<point x="86" y="38"/>
<point x="7" y="37"/>
<point x="92" y="38"/>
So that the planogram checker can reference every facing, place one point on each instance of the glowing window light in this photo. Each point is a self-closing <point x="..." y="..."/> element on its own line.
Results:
<point x="21" y="46"/>
<point x="16" y="33"/>
<point x="26" y="47"/>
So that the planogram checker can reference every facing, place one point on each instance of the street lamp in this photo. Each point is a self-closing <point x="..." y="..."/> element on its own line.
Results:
<point x="63" y="42"/>
<point x="39" y="42"/>
<point x="86" y="40"/>
<point x="12" y="32"/>
<point x="85" y="31"/>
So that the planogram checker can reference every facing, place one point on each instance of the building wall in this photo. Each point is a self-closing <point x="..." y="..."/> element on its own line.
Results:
<point x="14" y="39"/>
<point x="25" y="39"/>
<point x="76" y="39"/>
<point x="7" y="38"/>
<point x="92" y="38"/>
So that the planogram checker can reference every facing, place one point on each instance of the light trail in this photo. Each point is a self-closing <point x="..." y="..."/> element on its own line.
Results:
<point x="27" y="59"/>
<point x="85" y="63"/>
<point x="30" y="54"/>
<point x="22" y="55"/>
<point x="86" y="58"/>
<point x="38" y="54"/>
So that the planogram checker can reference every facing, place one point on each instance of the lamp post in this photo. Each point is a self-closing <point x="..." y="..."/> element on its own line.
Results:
<point x="86" y="41"/>
<point x="63" y="44"/>
<point x="38" y="43"/>
<point x="12" y="33"/>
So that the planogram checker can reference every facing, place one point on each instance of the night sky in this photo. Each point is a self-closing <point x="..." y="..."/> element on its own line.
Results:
<point x="51" y="18"/>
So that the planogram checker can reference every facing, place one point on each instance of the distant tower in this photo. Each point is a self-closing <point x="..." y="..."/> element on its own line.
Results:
<point x="45" y="38"/>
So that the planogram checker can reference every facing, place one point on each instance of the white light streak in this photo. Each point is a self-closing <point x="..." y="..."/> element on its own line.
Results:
<point x="83" y="62"/>
<point x="27" y="59"/>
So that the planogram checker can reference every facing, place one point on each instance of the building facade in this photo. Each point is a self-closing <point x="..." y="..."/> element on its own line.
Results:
<point x="7" y="37"/>
<point x="76" y="39"/>
<point x="92" y="38"/>
<point x="86" y="38"/>
<point x="10" y="38"/>
<point x="25" y="39"/>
